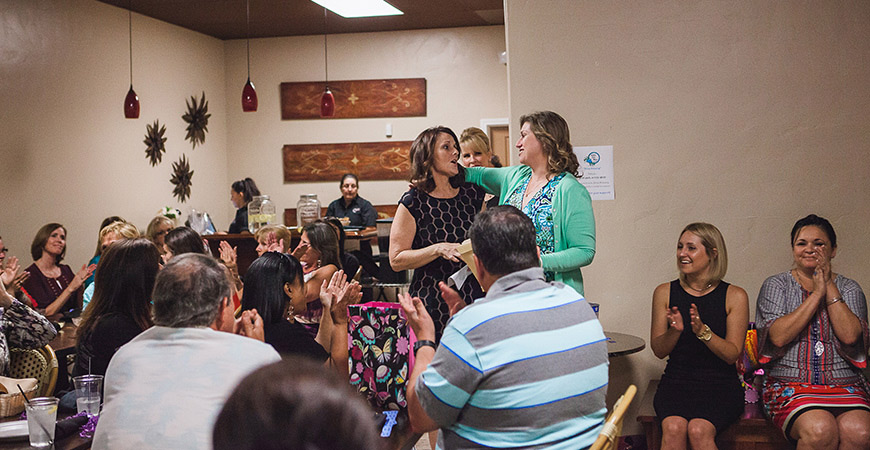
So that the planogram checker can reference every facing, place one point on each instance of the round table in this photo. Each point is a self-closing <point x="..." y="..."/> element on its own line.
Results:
<point x="621" y="344"/>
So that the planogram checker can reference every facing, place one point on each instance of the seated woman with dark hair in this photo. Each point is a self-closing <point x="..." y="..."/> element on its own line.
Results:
<point x="183" y="240"/>
<point x="274" y="288"/>
<point x="318" y="253"/>
<point x="53" y="286"/>
<point x="358" y="211"/>
<point x="121" y="306"/>
<point x="812" y="341"/>
<point x="295" y="404"/>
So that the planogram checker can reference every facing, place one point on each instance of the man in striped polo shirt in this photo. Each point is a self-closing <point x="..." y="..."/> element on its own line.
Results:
<point x="523" y="367"/>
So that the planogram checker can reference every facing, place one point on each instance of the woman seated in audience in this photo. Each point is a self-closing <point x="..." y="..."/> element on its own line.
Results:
<point x="275" y="289"/>
<point x="699" y="321"/>
<point x="432" y="219"/>
<point x="20" y="327"/>
<point x="813" y="341"/>
<point x="53" y="287"/>
<point x="358" y="211"/>
<point x="121" y="307"/>
<point x="318" y="253"/>
<point x="183" y="240"/>
<point x="109" y="234"/>
<point x="269" y="238"/>
<point x="157" y="229"/>
<point x="545" y="188"/>
<point x="295" y="404"/>
<point x="241" y="193"/>
<point x="100" y="246"/>
<point x="476" y="152"/>
<point x="349" y="263"/>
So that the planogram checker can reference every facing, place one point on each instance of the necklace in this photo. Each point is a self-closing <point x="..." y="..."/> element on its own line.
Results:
<point x="710" y="284"/>
<point x="530" y="191"/>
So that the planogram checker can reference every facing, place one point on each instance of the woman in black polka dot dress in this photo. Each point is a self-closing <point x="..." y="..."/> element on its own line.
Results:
<point x="433" y="218"/>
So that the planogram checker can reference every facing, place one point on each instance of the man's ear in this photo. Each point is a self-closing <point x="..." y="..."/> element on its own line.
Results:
<point x="478" y="266"/>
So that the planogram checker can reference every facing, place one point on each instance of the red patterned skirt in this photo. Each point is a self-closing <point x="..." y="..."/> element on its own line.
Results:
<point x="785" y="402"/>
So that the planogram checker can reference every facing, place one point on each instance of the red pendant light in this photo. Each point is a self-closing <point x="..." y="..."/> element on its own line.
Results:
<point x="249" y="94"/>
<point x="327" y="100"/>
<point x="131" y="102"/>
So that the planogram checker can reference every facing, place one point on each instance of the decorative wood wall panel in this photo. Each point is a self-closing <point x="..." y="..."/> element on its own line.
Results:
<point x="401" y="97"/>
<point x="328" y="162"/>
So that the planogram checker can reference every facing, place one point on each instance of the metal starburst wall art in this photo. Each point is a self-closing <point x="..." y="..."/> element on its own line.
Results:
<point x="181" y="178"/>
<point x="155" y="142"/>
<point x="197" y="120"/>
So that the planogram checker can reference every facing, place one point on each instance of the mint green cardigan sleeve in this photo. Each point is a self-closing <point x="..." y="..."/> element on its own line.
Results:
<point x="574" y="233"/>
<point x="495" y="180"/>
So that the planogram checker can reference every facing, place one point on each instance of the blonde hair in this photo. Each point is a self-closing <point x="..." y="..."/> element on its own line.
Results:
<point x="122" y="229"/>
<point x="711" y="239"/>
<point x="151" y="231"/>
<point x="281" y="232"/>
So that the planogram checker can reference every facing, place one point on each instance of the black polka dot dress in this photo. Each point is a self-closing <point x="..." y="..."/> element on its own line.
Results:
<point x="442" y="220"/>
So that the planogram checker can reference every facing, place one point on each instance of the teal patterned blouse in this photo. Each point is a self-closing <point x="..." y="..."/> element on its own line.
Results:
<point x="540" y="210"/>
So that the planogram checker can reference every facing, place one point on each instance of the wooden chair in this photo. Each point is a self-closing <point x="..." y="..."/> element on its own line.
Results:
<point x="40" y="363"/>
<point x="613" y="424"/>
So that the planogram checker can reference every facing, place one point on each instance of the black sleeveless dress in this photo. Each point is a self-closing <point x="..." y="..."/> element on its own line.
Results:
<point x="696" y="383"/>
<point x="442" y="220"/>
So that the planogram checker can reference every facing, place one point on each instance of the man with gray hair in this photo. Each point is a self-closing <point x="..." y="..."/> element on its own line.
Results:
<point x="165" y="387"/>
<point x="523" y="367"/>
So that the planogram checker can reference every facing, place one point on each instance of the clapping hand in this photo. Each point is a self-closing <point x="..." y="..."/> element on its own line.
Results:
<point x="228" y="254"/>
<point x="273" y="244"/>
<point x="336" y="295"/>
<point x="83" y="274"/>
<point x="10" y="271"/>
<point x="697" y="325"/>
<point x="452" y="298"/>
<point x="418" y="317"/>
<point x="250" y="324"/>
<point x="675" y="319"/>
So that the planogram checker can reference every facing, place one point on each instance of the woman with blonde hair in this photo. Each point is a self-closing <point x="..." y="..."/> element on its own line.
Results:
<point x="109" y="234"/>
<point x="544" y="186"/>
<point x="475" y="151"/>
<point x="157" y="229"/>
<point x="699" y="322"/>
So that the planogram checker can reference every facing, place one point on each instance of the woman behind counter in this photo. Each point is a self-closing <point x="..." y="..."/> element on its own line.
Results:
<point x="813" y="340"/>
<point x="359" y="210"/>
<point x="544" y="187"/>
<point x="241" y="193"/>
<point x="432" y="219"/>
<point x="699" y="322"/>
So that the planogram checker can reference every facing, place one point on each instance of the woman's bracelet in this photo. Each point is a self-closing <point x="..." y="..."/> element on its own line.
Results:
<point x="834" y="300"/>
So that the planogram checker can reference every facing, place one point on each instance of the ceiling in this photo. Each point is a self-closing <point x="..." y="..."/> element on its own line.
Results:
<point x="225" y="19"/>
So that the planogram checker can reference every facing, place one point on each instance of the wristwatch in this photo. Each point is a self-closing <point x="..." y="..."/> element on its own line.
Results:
<point x="705" y="334"/>
<point x="424" y="343"/>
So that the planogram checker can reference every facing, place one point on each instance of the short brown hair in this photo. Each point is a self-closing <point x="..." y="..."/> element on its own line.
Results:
<point x="712" y="239"/>
<point x="422" y="154"/>
<point x="42" y="237"/>
<point x="552" y="130"/>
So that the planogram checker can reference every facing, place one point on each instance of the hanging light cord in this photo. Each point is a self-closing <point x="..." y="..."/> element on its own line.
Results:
<point x="248" y="34"/>
<point x="130" y="15"/>
<point x="325" y="49"/>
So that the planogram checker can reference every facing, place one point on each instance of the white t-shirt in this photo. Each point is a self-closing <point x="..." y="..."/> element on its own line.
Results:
<point x="165" y="388"/>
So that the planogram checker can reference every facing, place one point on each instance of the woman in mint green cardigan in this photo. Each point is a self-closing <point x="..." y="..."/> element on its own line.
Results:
<point x="544" y="187"/>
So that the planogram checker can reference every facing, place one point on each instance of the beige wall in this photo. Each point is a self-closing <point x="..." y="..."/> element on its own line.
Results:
<point x="67" y="154"/>
<point x="464" y="80"/>
<point x="748" y="115"/>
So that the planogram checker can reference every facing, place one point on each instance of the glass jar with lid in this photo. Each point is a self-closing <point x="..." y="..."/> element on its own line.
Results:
<point x="261" y="212"/>
<point x="307" y="209"/>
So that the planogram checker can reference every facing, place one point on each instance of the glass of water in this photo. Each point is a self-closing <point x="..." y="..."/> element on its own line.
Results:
<point x="88" y="389"/>
<point x="41" y="418"/>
